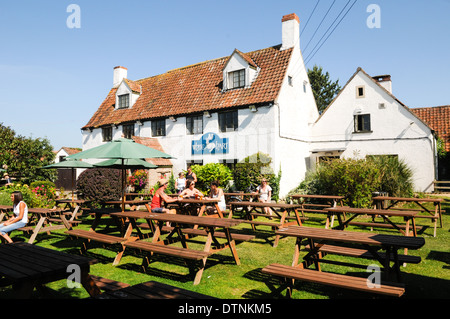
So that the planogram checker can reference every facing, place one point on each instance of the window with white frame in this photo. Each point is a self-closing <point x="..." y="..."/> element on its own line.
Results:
<point x="236" y="79"/>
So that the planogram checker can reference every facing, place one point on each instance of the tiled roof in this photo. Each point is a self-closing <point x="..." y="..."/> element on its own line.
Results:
<point x="153" y="143"/>
<point x="197" y="88"/>
<point x="438" y="118"/>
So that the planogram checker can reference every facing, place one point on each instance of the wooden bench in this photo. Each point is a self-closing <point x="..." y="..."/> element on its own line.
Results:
<point x="108" y="284"/>
<point x="192" y="255"/>
<point x="89" y="235"/>
<point x="361" y="253"/>
<point x="168" y="250"/>
<point x="152" y="290"/>
<point x="331" y="279"/>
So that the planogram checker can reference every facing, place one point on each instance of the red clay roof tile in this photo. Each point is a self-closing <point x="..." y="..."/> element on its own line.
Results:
<point x="197" y="88"/>
<point x="438" y="118"/>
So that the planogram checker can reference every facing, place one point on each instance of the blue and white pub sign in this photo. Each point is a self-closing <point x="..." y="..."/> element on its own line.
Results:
<point x="210" y="143"/>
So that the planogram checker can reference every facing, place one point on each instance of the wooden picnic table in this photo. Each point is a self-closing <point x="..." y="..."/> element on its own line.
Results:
<point x="282" y="212"/>
<point x="73" y="205"/>
<point x="41" y="219"/>
<point x="383" y="248"/>
<point x="408" y="216"/>
<point x="381" y="202"/>
<point x="131" y="203"/>
<point x="178" y="223"/>
<point x="4" y="211"/>
<point x="198" y="207"/>
<point x="27" y="266"/>
<point x="316" y="204"/>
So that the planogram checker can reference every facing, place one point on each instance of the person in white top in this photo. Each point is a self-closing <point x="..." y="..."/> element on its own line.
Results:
<point x="265" y="194"/>
<point x="217" y="192"/>
<point x="20" y="218"/>
<point x="180" y="184"/>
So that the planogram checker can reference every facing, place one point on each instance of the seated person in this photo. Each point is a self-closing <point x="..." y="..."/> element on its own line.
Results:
<point x="161" y="197"/>
<point x="18" y="220"/>
<point x="217" y="192"/>
<point x="190" y="191"/>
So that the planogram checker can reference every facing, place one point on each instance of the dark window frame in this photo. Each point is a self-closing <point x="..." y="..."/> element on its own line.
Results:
<point x="123" y="101"/>
<point x="362" y="123"/>
<point x="107" y="134"/>
<point x="228" y="121"/>
<point x="159" y="127"/>
<point x="192" y="124"/>
<point x="128" y="130"/>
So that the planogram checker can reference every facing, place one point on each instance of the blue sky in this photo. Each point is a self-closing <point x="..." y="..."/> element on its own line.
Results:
<point x="53" y="78"/>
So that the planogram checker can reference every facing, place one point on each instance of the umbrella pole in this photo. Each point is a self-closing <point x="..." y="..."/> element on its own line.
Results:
<point x="123" y="186"/>
<point x="72" y="182"/>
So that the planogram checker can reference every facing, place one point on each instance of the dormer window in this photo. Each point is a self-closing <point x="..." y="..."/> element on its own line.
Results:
<point x="124" y="101"/>
<point x="239" y="71"/>
<point x="237" y="79"/>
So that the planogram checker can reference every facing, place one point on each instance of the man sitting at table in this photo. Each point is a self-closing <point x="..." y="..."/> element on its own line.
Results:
<point x="160" y="197"/>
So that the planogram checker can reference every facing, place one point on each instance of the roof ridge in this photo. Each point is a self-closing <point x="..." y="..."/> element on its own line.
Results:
<point x="207" y="61"/>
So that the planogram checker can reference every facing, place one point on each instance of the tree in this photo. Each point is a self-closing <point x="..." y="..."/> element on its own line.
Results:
<point x="323" y="88"/>
<point x="25" y="156"/>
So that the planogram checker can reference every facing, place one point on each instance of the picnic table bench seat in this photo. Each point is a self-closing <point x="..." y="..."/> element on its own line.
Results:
<point x="95" y="236"/>
<point x="108" y="284"/>
<point x="152" y="290"/>
<point x="168" y="250"/>
<point x="331" y="279"/>
<point x="361" y="253"/>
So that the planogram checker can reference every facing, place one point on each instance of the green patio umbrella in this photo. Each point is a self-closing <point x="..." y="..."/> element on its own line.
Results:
<point x="69" y="163"/>
<point x="121" y="149"/>
<point x="128" y="163"/>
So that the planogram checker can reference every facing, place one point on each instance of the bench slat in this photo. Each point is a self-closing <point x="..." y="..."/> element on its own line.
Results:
<point x="362" y="253"/>
<point x="103" y="238"/>
<point x="337" y="280"/>
<point x="168" y="250"/>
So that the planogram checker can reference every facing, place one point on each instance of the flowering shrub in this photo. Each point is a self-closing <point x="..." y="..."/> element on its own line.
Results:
<point x="45" y="196"/>
<point x="138" y="179"/>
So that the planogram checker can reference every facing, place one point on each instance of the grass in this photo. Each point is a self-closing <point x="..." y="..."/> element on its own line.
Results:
<point x="224" y="279"/>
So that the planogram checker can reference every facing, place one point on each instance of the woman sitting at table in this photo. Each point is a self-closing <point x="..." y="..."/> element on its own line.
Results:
<point x="160" y="197"/>
<point x="20" y="218"/>
<point x="190" y="191"/>
<point x="265" y="194"/>
<point x="217" y="192"/>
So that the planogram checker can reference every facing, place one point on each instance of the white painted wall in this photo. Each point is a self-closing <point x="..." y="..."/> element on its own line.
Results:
<point x="395" y="130"/>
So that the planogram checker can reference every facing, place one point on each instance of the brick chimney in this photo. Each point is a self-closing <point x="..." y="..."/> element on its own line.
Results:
<point x="385" y="81"/>
<point x="290" y="31"/>
<point x="120" y="73"/>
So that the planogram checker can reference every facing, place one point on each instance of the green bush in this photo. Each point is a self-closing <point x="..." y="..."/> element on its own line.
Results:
<point x="211" y="172"/>
<point x="100" y="184"/>
<point x="396" y="176"/>
<point x="357" y="179"/>
<point x="249" y="172"/>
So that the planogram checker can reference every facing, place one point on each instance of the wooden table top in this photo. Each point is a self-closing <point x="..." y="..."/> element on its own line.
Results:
<point x="182" y="219"/>
<point x="198" y="201"/>
<point x="353" y="237"/>
<point x="317" y="196"/>
<point x="370" y="211"/>
<point x="68" y="200"/>
<point x="408" y="199"/>
<point x="27" y="262"/>
<point x="260" y="204"/>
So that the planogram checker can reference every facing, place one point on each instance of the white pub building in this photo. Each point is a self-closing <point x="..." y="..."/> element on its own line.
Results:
<point x="226" y="109"/>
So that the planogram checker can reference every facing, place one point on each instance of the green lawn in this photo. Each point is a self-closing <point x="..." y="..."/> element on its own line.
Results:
<point x="222" y="278"/>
